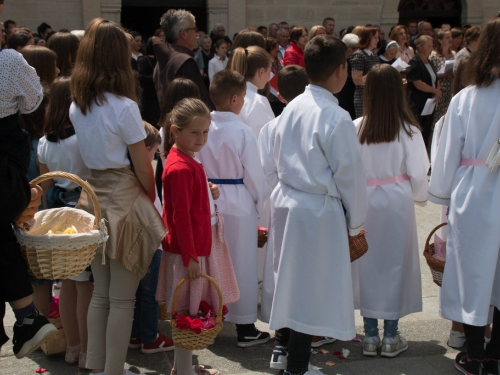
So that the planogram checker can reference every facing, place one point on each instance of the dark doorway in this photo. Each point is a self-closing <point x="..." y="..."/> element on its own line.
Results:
<point x="144" y="15"/>
<point x="436" y="12"/>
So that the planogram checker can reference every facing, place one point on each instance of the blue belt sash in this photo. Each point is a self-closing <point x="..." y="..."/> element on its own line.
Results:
<point x="219" y="181"/>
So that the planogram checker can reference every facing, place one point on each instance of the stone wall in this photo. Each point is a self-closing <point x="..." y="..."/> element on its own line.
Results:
<point x="238" y="14"/>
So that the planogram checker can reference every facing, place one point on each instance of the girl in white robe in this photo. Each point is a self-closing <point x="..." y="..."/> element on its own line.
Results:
<point x="466" y="178"/>
<point x="387" y="280"/>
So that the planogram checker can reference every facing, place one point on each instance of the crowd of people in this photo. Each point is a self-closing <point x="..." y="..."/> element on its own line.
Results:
<point x="311" y="134"/>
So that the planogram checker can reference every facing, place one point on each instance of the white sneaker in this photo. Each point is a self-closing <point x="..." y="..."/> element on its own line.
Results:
<point x="128" y="372"/>
<point x="456" y="340"/>
<point x="371" y="345"/>
<point x="392" y="346"/>
<point x="313" y="370"/>
<point x="278" y="358"/>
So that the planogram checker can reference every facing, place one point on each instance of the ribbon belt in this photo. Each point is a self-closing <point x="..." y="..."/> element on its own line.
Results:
<point x="222" y="181"/>
<point x="388" y="180"/>
<point x="473" y="162"/>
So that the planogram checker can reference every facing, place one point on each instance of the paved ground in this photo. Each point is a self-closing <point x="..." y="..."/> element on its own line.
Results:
<point x="426" y="333"/>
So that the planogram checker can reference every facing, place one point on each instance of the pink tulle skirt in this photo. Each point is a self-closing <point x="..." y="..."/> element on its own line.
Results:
<point x="218" y="266"/>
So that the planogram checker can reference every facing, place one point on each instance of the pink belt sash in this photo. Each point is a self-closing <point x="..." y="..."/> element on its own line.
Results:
<point x="388" y="180"/>
<point x="473" y="162"/>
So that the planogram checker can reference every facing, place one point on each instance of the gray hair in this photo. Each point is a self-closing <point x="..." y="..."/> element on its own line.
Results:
<point x="281" y="31"/>
<point x="217" y="27"/>
<point x="350" y="40"/>
<point x="173" y="22"/>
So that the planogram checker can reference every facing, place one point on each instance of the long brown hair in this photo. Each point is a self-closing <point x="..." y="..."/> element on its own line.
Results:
<point x="438" y="47"/>
<point x="247" y="61"/>
<point x="65" y="45"/>
<point x="57" y="115"/>
<point x="484" y="64"/>
<point x="385" y="108"/>
<point x="34" y="122"/>
<point x="102" y="66"/>
<point x="395" y="31"/>
<point x="43" y="60"/>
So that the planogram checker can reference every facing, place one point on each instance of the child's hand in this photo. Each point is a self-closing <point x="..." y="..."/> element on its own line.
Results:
<point x="32" y="209"/>
<point x="214" y="189"/>
<point x="261" y="236"/>
<point x="193" y="269"/>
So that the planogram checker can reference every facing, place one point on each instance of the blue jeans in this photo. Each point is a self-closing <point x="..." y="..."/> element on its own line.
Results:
<point x="390" y="327"/>
<point x="146" y="307"/>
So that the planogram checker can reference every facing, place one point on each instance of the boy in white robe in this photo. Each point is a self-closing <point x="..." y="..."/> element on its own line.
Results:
<point x="230" y="159"/>
<point x="321" y="176"/>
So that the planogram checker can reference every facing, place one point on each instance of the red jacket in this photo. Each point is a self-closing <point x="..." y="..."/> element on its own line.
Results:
<point x="294" y="55"/>
<point x="186" y="211"/>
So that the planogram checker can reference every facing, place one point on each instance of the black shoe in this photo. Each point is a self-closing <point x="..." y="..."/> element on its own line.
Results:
<point x="255" y="337"/>
<point x="467" y="366"/>
<point x="493" y="367"/>
<point x="28" y="337"/>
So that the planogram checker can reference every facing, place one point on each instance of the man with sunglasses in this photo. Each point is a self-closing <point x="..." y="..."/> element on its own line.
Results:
<point x="175" y="56"/>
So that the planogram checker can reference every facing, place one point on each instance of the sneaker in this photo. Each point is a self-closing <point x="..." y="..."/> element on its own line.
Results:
<point x="468" y="367"/>
<point x="255" y="338"/>
<point x="128" y="372"/>
<point x="161" y="344"/>
<point x="28" y="337"/>
<point x="312" y="370"/>
<point x="456" y="340"/>
<point x="278" y="358"/>
<point x="371" y="345"/>
<point x="135" y="343"/>
<point x="392" y="346"/>
<point x="319" y="341"/>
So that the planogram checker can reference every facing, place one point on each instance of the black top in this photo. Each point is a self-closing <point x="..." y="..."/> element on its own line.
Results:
<point x="417" y="71"/>
<point x="150" y="107"/>
<point x="346" y="95"/>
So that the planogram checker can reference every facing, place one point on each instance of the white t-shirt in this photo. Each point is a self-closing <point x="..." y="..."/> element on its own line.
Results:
<point x="65" y="156"/>
<point x="106" y="130"/>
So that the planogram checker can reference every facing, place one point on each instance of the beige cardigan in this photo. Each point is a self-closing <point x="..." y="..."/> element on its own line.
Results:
<point x="135" y="228"/>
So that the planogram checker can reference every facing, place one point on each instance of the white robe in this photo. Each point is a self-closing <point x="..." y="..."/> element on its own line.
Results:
<point x="271" y="262"/>
<point x="231" y="152"/>
<point x="387" y="280"/>
<point x="257" y="112"/>
<point x="320" y="172"/>
<point x="471" y="279"/>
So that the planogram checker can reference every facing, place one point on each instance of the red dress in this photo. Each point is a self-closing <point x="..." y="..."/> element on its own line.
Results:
<point x="294" y="55"/>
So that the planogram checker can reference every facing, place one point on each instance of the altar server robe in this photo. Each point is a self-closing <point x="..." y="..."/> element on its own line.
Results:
<point x="320" y="173"/>
<point x="231" y="152"/>
<point x="471" y="279"/>
<point x="386" y="280"/>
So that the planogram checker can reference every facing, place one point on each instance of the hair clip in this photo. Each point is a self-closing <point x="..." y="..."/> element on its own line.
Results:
<point x="246" y="52"/>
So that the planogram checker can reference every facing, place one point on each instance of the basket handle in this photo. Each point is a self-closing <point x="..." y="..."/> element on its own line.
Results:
<point x="77" y="180"/>
<point x="218" y="319"/>
<point x="432" y="233"/>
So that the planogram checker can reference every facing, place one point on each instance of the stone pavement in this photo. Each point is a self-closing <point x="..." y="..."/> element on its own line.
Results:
<point x="426" y="333"/>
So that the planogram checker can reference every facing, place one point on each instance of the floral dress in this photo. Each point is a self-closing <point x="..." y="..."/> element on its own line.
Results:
<point x="446" y="85"/>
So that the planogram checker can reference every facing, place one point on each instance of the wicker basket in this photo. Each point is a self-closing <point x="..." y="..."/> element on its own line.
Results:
<point x="187" y="339"/>
<point x="57" y="343"/>
<point x="66" y="255"/>
<point x="436" y="266"/>
<point x="358" y="245"/>
<point x="162" y="312"/>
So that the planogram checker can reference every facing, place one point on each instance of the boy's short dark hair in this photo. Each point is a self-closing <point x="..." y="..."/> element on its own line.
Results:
<point x="322" y="56"/>
<point x="153" y="136"/>
<point x="225" y="84"/>
<point x="292" y="81"/>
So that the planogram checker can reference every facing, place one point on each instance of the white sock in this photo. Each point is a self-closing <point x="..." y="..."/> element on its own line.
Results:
<point x="183" y="361"/>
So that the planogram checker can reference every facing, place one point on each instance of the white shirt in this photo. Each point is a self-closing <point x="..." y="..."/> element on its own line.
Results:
<point x="281" y="51"/>
<point x="256" y="111"/>
<point x="106" y="130"/>
<point x="431" y="72"/>
<point x="20" y="89"/>
<point x="216" y="65"/>
<point x="65" y="156"/>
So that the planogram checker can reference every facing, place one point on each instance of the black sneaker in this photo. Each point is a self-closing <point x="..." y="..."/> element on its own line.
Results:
<point x="254" y="338"/>
<point x="493" y="367"/>
<point x="467" y="366"/>
<point x="28" y="337"/>
<point x="278" y="358"/>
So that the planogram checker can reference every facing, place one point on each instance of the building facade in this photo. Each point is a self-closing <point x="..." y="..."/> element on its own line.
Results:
<point x="238" y="14"/>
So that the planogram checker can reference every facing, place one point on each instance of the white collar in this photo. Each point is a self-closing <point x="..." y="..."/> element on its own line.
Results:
<point x="223" y="116"/>
<point x="368" y="52"/>
<point x="251" y="86"/>
<point x="320" y="91"/>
